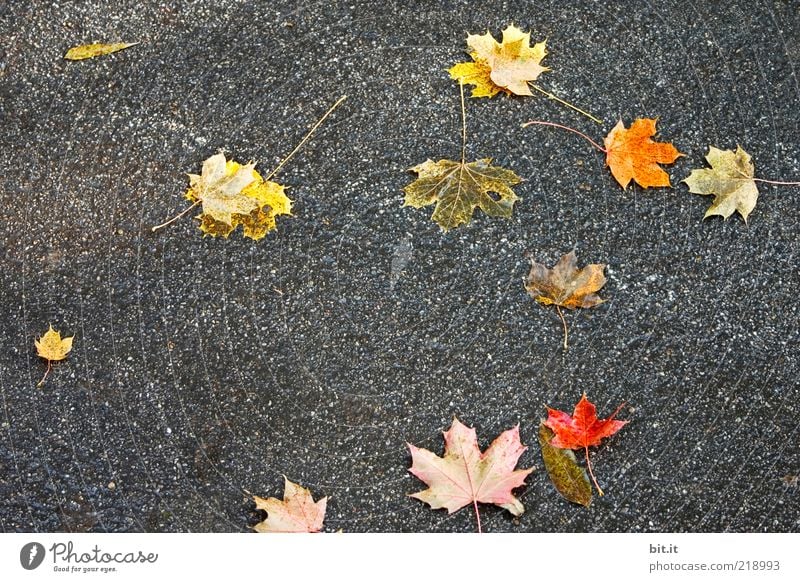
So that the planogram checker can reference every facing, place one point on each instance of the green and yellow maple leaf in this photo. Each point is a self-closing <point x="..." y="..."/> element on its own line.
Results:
<point x="730" y="181"/>
<point x="457" y="188"/>
<point x="506" y="66"/>
<point x="233" y="194"/>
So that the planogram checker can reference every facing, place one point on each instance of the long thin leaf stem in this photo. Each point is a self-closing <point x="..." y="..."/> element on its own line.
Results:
<point x="174" y="218"/>
<point x="777" y="182"/>
<point x="463" y="131"/>
<point x="306" y="138"/>
<point x="564" y="322"/>
<point x="568" y="104"/>
<point x="583" y="135"/>
<point x="477" y="514"/>
<point x="589" y="464"/>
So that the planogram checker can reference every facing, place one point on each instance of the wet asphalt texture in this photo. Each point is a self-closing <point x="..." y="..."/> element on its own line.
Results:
<point x="204" y="368"/>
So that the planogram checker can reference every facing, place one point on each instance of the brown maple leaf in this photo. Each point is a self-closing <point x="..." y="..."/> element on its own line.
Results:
<point x="583" y="429"/>
<point x="297" y="513"/>
<point x="466" y="476"/>
<point x="565" y="285"/>
<point x="52" y="347"/>
<point x="632" y="155"/>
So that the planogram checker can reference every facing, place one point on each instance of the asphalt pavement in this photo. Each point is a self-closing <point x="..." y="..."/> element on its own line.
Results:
<point x="204" y="369"/>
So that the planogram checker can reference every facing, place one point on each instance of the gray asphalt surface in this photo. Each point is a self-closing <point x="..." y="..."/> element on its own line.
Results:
<point x="203" y="367"/>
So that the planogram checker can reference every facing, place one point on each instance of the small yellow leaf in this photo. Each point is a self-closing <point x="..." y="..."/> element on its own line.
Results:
<point x="88" y="51"/>
<point x="52" y="347"/>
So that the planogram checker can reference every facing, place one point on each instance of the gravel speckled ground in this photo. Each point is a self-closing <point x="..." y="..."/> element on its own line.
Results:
<point x="203" y="368"/>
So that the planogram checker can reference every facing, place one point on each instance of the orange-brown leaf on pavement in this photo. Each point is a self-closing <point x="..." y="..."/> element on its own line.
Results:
<point x="632" y="155"/>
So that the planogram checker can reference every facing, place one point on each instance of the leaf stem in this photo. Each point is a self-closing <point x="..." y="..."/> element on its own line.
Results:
<point x="174" y="218"/>
<point x="463" y="132"/>
<point x="46" y="372"/>
<point x="589" y="464"/>
<point x="563" y="321"/>
<point x="777" y="182"/>
<point x="568" y="104"/>
<point x="583" y="135"/>
<point x="306" y="138"/>
<point x="477" y="514"/>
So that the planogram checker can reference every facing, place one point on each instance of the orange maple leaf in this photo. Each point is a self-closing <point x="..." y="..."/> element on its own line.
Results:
<point x="632" y="155"/>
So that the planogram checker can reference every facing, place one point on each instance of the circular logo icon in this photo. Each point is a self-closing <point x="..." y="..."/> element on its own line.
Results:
<point x="31" y="555"/>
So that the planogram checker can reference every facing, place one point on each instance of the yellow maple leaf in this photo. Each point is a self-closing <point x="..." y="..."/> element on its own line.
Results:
<point x="506" y="66"/>
<point x="52" y="347"/>
<point x="88" y="51"/>
<point x="233" y="194"/>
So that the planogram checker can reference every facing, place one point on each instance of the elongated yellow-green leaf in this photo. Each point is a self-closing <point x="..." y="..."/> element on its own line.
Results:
<point x="569" y="478"/>
<point x="88" y="51"/>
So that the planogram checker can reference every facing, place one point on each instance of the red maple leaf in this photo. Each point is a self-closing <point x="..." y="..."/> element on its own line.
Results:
<point x="583" y="429"/>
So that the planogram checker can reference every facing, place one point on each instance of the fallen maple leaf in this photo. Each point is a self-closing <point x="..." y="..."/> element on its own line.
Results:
<point x="569" y="478"/>
<point x="466" y="476"/>
<point x="297" y="513"/>
<point x="632" y="155"/>
<point x="506" y="66"/>
<point x="232" y="194"/>
<point x="52" y="347"/>
<point x="583" y="429"/>
<point x="730" y="180"/>
<point x="88" y="51"/>
<point x="565" y="285"/>
<point x="458" y="188"/>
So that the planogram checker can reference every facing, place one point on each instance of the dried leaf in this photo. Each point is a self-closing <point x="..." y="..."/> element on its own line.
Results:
<point x="565" y="285"/>
<point x="632" y="155"/>
<point x="458" y="188"/>
<point x="583" y="429"/>
<point x="466" y="476"/>
<point x="88" y="51"/>
<point x="569" y="478"/>
<point x="52" y="347"/>
<point x="297" y="513"/>
<point x="730" y="181"/>
<point x="506" y="66"/>
<point x="233" y="194"/>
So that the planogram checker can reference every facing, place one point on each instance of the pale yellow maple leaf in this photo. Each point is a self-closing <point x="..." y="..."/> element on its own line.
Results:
<point x="507" y="66"/>
<point x="233" y="194"/>
<point x="730" y="181"/>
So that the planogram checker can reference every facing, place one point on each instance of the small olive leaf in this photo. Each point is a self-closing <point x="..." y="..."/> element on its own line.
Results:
<point x="730" y="181"/>
<point x="457" y="188"/>
<point x="569" y="478"/>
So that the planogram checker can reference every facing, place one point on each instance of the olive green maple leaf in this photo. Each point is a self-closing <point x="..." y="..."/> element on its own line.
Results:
<point x="457" y="188"/>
